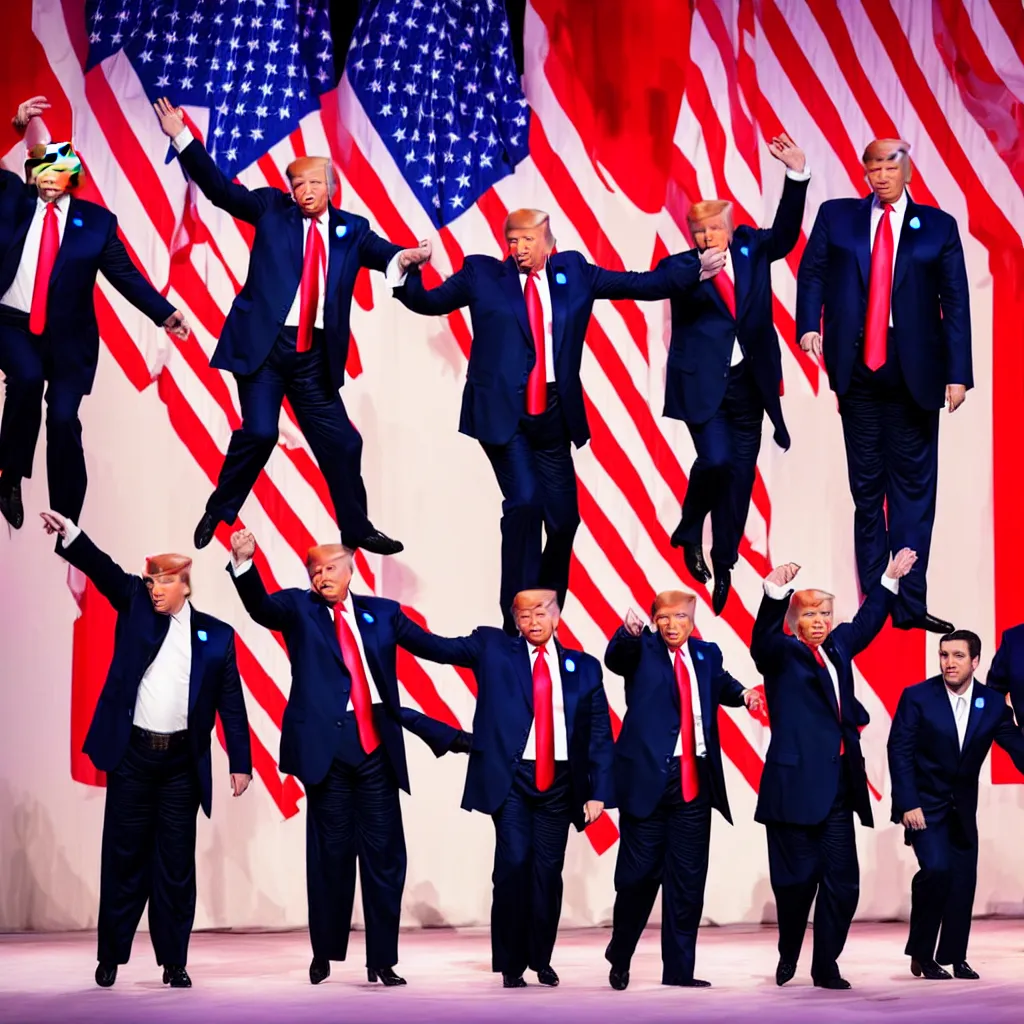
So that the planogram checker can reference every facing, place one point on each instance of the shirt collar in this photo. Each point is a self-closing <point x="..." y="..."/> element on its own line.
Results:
<point x="60" y="204"/>
<point x="898" y="208"/>
<point x="184" y="617"/>
<point x="953" y="696"/>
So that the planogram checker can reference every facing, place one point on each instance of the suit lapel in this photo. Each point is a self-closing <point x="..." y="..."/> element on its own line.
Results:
<point x="294" y="241"/>
<point x="944" y="716"/>
<point x="740" y="277"/>
<point x="822" y="674"/>
<point x="862" y="239"/>
<point x="337" y="248"/>
<point x="366" y="622"/>
<point x="513" y="289"/>
<point x="325" y="620"/>
<point x="559" y="296"/>
<point x="71" y="240"/>
<point x="524" y="669"/>
<point x="195" y="678"/>
<point x="908" y="240"/>
<point x="703" y="686"/>
<point x="26" y="210"/>
<point x="975" y="713"/>
<point x="569" y="670"/>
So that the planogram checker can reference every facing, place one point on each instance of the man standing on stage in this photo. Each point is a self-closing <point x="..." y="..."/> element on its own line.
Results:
<point x="52" y="245"/>
<point x="173" y="671"/>
<point x="940" y="736"/>
<point x="342" y="738"/>
<point x="668" y="777"/>
<point x="523" y="399"/>
<point x="287" y="333"/>
<point x="889" y="274"/>
<point x="541" y="761"/>
<point x="725" y="370"/>
<point x="814" y="776"/>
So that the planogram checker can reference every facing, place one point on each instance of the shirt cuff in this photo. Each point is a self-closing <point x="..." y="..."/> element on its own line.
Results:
<point x="182" y="139"/>
<point x="72" y="531"/>
<point x="803" y="175"/>
<point x="393" y="277"/>
<point x="890" y="584"/>
<point x="237" y="570"/>
<point x="775" y="592"/>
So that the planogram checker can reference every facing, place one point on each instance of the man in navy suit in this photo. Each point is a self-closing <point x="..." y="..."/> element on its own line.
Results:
<point x="523" y="399"/>
<point x="52" y="245"/>
<point x="1006" y="673"/>
<point x="889" y="274"/>
<point x="173" y="671"/>
<point x="814" y="775"/>
<point x="541" y="761"/>
<point x="725" y="370"/>
<point x="287" y="333"/>
<point x="941" y="734"/>
<point x="341" y="736"/>
<point x="668" y="777"/>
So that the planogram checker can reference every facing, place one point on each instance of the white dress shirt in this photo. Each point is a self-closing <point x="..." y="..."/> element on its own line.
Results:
<point x="557" y="705"/>
<point x="544" y="291"/>
<point x="348" y="614"/>
<point x="698" y="717"/>
<point x="899" y="209"/>
<point x="961" y="705"/>
<point x="19" y="295"/>
<point x="162" y="701"/>
<point x="392" y="276"/>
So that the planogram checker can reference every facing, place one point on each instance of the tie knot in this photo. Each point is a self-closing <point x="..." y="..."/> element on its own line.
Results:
<point x="541" y="650"/>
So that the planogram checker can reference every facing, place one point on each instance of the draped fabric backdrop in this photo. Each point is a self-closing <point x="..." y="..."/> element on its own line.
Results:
<point x="626" y="113"/>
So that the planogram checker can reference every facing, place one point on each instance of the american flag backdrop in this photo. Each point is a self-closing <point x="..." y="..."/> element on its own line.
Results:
<point x="626" y="113"/>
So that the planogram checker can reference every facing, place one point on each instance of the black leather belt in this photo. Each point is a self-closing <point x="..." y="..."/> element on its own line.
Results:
<point x="159" y="740"/>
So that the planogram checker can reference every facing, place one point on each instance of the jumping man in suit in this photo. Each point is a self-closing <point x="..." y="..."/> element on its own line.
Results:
<point x="172" y="673"/>
<point x="814" y="777"/>
<point x="725" y="370"/>
<point x="523" y="399"/>
<point x="52" y="245"/>
<point x="882" y="292"/>
<point x="287" y="333"/>
<point x="941" y="734"/>
<point x="342" y="738"/>
<point x="668" y="777"/>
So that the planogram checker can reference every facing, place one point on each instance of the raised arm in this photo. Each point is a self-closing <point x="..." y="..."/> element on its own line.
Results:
<point x="672" y="275"/>
<point x="767" y="641"/>
<point x="273" y="611"/>
<point x="116" y="585"/>
<point x="785" y="229"/>
<point x="855" y="635"/>
<point x="954" y="298"/>
<point x="622" y="656"/>
<point x="231" y="708"/>
<point x="453" y="294"/>
<point x="460" y="650"/>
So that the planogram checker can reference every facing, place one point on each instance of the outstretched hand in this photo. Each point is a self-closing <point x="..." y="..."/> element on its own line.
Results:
<point x="782" y="575"/>
<point x="416" y="256"/>
<point x="32" y="107"/>
<point x="243" y="546"/>
<point x="901" y="563"/>
<point x="172" y="118"/>
<point x="54" y="523"/>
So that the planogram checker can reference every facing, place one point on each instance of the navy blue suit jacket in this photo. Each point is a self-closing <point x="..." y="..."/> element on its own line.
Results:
<point x="90" y="245"/>
<point x="930" y="298"/>
<point x="1006" y="673"/>
<point x="928" y="768"/>
<point x="214" y="685"/>
<point x="321" y="683"/>
<point x="504" y="714"/>
<point x="650" y="728"/>
<point x="801" y="767"/>
<point x="703" y="329"/>
<point x="275" y="268"/>
<point x="503" y="355"/>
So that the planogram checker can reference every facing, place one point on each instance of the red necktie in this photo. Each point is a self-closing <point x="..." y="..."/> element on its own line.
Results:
<point x="839" y="706"/>
<point x="49" y="243"/>
<point x="309" y="286"/>
<point x="362" y="703"/>
<point x="688" y="761"/>
<point x="876" y="327"/>
<point x="543" y="722"/>
<point x="537" y="384"/>
<point x="727" y="290"/>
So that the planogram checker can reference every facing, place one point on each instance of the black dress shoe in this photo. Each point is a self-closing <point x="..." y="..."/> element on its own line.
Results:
<point x="385" y="975"/>
<point x="11" y="506"/>
<point x="686" y="982"/>
<point x="106" y="974"/>
<point x="513" y="981"/>
<point x="379" y="543"/>
<point x="723" y="582"/>
<point x="961" y="970"/>
<point x="928" y="969"/>
<point x="205" y="530"/>
<point x="618" y="978"/>
<point x="929" y="623"/>
<point x="547" y="976"/>
<point x="837" y="984"/>
<point x="176" y="976"/>
<point x="319" y="970"/>
<point x="693" y="559"/>
<point x="784" y="972"/>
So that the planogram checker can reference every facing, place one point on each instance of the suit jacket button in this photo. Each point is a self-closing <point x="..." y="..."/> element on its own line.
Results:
<point x="338" y="724"/>
<point x="833" y="760"/>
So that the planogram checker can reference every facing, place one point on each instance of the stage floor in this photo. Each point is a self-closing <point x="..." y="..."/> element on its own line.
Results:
<point x="255" y="977"/>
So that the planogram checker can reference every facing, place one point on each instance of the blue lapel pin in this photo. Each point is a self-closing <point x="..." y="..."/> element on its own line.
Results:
<point x="560" y="278"/>
<point x="201" y="633"/>
<point x="570" y="665"/>
<point x="341" y="230"/>
<point x="367" y="617"/>
<point x="700" y="657"/>
<point x="979" y="702"/>
<point x="915" y="223"/>
<point x="744" y="250"/>
<point x="77" y="221"/>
